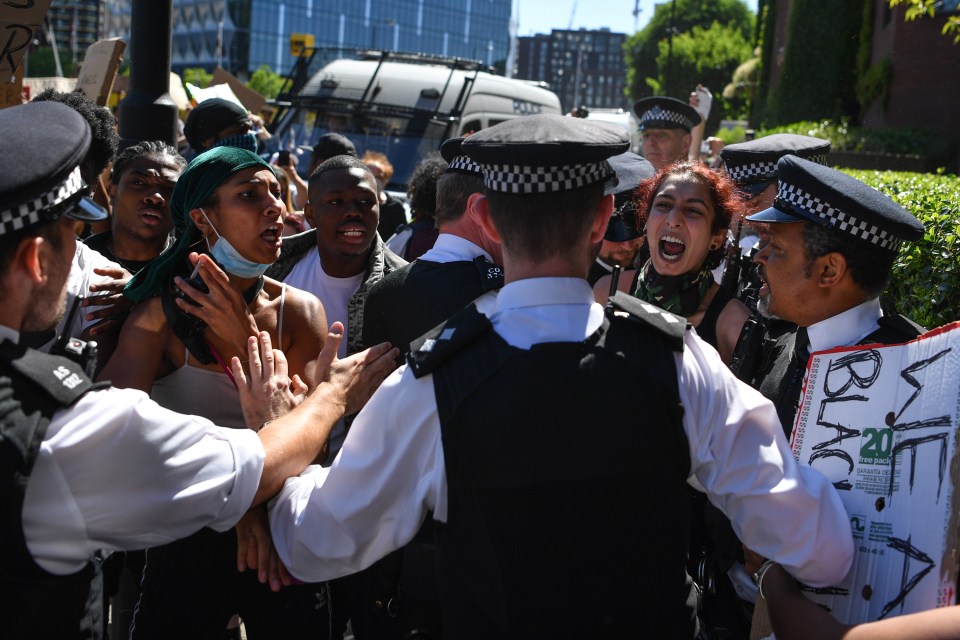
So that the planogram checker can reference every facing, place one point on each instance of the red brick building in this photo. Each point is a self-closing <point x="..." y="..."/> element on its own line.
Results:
<point x="924" y="87"/>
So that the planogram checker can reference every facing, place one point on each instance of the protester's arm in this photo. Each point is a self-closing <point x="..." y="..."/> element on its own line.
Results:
<point x="223" y="309"/>
<point x="138" y="358"/>
<point x="334" y="521"/>
<point x="785" y="511"/>
<point x="700" y="99"/>
<point x="795" y="617"/>
<point x="255" y="549"/>
<point x="293" y="441"/>
<point x="105" y="305"/>
<point x="300" y="199"/>
<point x="304" y="332"/>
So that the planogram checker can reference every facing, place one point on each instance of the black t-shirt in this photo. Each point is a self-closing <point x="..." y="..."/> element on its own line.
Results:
<point x="101" y="244"/>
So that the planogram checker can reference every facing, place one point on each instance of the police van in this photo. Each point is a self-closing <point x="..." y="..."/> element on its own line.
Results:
<point x="403" y="105"/>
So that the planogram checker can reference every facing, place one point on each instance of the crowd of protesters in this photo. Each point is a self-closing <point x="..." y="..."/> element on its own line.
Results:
<point x="563" y="450"/>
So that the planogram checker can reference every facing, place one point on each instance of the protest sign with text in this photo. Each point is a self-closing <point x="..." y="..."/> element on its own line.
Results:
<point x="881" y="423"/>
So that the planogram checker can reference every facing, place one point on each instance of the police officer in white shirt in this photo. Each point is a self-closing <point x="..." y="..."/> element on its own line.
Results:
<point x="552" y="441"/>
<point x="828" y="244"/>
<point x="88" y="467"/>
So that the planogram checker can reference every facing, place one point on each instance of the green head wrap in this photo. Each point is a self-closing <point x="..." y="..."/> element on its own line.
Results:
<point x="197" y="183"/>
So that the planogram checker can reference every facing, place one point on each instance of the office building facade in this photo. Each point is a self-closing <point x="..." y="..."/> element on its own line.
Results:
<point x="583" y="67"/>
<point x="75" y="25"/>
<point x="242" y="35"/>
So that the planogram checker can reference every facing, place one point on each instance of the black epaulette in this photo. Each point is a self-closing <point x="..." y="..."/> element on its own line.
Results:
<point x="62" y="380"/>
<point x="33" y="386"/>
<point x="622" y="305"/>
<point x="434" y="347"/>
<point x="491" y="276"/>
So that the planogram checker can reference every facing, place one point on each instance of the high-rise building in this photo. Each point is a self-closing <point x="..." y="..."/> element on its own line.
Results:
<point x="583" y="67"/>
<point x="242" y="35"/>
<point x="75" y="25"/>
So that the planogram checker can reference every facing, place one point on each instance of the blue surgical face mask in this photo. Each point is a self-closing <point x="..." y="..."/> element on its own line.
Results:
<point x="230" y="259"/>
<point x="246" y="141"/>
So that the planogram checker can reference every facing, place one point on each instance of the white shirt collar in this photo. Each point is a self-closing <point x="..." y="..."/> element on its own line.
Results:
<point x="453" y="248"/>
<point x="6" y="333"/>
<point x="537" y="310"/>
<point x="540" y="292"/>
<point x="846" y="328"/>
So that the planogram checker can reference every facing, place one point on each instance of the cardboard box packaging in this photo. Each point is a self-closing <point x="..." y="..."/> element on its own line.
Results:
<point x="881" y="424"/>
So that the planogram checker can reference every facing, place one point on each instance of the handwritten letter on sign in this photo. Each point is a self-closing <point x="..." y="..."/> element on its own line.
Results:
<point x="881" y="423"/>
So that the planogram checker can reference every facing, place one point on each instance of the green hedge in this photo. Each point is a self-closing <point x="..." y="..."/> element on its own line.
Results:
<point x="941" y="150"/>
<point x="926" y="276"/>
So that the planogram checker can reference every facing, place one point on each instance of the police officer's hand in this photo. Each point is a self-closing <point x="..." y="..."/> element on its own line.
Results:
<point x="255" y="550"/>
<point x="106" y="306"/>
<point x="223" y="309"/>
<point x="266" y="389"/>
<point x="358" y="375"/>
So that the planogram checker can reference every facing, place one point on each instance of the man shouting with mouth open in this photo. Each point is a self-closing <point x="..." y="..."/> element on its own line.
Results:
<point x="342" y="256"/>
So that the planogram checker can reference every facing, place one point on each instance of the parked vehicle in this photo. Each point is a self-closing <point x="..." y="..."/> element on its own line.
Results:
<point x="403" y="105"/>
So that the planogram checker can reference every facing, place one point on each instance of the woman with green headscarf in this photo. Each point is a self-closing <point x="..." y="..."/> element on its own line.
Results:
<point x="177" y="344"/>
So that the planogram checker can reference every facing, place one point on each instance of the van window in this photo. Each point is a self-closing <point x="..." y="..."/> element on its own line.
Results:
<point x="471" y="127"/>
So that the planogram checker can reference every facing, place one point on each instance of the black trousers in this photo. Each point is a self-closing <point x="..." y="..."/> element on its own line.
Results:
<point x="191" y="588"/>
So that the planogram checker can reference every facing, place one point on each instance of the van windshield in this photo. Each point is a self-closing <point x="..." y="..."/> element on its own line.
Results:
<point x="403" y="139"/>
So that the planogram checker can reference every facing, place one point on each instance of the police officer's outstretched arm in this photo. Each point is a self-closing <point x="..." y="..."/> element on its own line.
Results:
<point x="292" y="441"/>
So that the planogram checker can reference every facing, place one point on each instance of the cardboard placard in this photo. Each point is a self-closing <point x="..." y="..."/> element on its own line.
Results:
<point x="177" y="93"/>
<point x="19" y="20"/>
<point x="881" y="423"/>
<point x="250" y="100"/>
<point x="99" y="69"/>
<point x="11" y="93"/>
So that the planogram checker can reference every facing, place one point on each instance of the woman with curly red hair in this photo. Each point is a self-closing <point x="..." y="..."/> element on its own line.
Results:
<point x="684" y="212"/>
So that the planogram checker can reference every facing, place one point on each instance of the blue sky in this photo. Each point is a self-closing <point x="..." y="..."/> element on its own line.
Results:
<point x="540" y="16"/>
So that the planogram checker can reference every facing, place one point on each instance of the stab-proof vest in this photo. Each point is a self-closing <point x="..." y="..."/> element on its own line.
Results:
<point x="566" y="468"/>
<point x="33" y="602"/>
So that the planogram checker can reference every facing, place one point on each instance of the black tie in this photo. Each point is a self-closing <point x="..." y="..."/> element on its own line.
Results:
<point x="801" y="346"/>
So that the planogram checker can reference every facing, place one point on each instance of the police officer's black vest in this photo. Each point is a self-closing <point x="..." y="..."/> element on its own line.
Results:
<point x="412" y="300"/>
<point x="33" y="602"/>
<point x="780" y="378"/>
<point x="566" y="468"/>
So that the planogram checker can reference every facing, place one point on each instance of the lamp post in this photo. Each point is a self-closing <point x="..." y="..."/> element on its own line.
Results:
<point x="148" y="112"/>
<point x="673" y="13"/>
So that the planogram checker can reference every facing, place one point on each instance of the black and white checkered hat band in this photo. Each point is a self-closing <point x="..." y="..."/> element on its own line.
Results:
<point x="32" y="212"/>
<point x="659" y="115"/>
<point x="752" y="172"/>
<point x="463" y="164"/>
<point x="518" y="179"/>
<point x="765" y="170"/>
<point x="791" y="197"/>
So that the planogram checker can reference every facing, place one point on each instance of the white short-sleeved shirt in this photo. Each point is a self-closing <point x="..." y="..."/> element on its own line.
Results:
<point x="334" y="521"/>
<point x="117" y="471"/>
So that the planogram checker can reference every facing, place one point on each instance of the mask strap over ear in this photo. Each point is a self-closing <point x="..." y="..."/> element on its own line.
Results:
<point x="206" y="239"/>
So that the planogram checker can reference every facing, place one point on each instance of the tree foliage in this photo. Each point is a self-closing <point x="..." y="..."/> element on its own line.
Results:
<point x="642" y="50"/>
<point x="707" y="56"/>
<point x="197" y="76"/>
<point x="40" y="63"/>
<point x="927" y="9"/>
<point x="266" y="82"/>
<point x="926" y="274"/>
